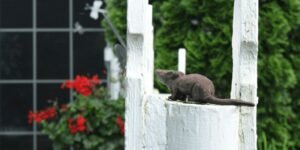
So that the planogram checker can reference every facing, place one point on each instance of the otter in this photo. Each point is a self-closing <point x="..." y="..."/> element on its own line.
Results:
<point x="194" y="87"/>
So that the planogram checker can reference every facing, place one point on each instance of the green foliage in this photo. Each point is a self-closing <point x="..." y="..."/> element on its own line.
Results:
<point x="117" y="15"/>
<point x="102" y="131"/>
<point x="204" y="28"/>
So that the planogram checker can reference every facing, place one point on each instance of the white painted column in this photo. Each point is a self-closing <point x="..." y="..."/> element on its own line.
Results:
<point x="139" y="71"/>
<point x="244" y="80"/>
<point x="181" y="60"/>
<point x="155" y="128"/>
<point x="201" y="127"/>
<point x="113" y="73"/>
<point x="148" y="52"/>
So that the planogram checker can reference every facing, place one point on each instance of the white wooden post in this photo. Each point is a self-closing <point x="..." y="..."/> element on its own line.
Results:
<point x="244" y="80"/>
<point x="181" y="60"/>
<point x="152" y="123"/>
<point x="115" y="83"/>
<point x="201" y="127"/>
<point x="155" y="122"/>
<point x="148" y="52"/>
<point x="113" y="73"/>
<point x="139" y="70"/>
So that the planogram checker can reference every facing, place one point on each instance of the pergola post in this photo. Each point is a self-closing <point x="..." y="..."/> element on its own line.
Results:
<point x="139" y="72"/>
<point x="244" y="80"/>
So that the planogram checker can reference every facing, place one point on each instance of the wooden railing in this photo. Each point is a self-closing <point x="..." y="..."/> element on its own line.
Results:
<point x="154" y="123"/>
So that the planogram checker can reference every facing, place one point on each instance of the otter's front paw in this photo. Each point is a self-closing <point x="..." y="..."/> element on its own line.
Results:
<point x="171" y="98"/>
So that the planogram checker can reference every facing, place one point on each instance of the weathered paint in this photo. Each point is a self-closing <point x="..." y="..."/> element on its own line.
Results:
<point x="244" y="79"/>
<point x="201" y="127"/>
<point x="154" y="124"/>
<point x="139" y="53"/>
<point x="148" y="52"/>
<point x="169" y="125"/>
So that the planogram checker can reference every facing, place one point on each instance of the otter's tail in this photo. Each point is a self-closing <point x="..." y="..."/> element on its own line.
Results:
<point x="219" y="101"/>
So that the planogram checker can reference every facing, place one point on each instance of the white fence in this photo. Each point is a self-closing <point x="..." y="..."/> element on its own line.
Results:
<point x="152" y="123"/>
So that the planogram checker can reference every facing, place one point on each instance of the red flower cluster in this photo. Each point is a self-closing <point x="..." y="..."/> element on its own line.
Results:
<point x="63" y="107"/>
<point x="82" y="84"/>
<point x="39" y="116"/>
<point x="120" y="123"/>
<point x="77" y="125"/>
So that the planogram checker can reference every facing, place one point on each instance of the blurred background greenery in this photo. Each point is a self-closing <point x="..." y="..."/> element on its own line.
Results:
<point x="204" y="28"/>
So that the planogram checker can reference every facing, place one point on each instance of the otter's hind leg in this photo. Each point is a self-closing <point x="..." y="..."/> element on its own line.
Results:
<point x="197" y="95"/>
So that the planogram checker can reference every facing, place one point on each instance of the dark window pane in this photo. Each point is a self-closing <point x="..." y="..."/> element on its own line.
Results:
<point x="15" y="103"/>
<point x="16" y="142"/>
<point x="44" y="143"/>
<point x="15" y="55"/>
<point x="48" y="93"/>
<point x="88" y="53"/>
<point x="53" y="55"/>
<point x="52" y="13"/>
<point x="15" y="13"/>
<point x="83" y="16"/>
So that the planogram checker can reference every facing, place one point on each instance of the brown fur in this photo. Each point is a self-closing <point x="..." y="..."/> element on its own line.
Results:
<point x="195" y="87"/>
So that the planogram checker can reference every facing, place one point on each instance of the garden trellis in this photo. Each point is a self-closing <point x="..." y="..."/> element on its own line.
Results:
<point x="154" y="123"/>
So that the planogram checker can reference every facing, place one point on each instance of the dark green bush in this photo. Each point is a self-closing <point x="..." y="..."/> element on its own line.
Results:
<point x="204" y="28"/>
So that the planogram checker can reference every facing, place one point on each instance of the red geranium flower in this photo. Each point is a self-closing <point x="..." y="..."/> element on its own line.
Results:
<point x="68" y="84"/>
<point x="72" y="128"/>
<point x="39" y="116"/>
<point x="120" y="123"/>
<point x="82" y="84"/>
<point x="78" y="126"/>
<point x="63" y="107"/>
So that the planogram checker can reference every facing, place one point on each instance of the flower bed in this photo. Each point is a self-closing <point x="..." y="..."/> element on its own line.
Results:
<point x="91" y="121"/>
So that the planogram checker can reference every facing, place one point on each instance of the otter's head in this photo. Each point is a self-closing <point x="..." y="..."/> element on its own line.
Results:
<point x="167" y="76"/>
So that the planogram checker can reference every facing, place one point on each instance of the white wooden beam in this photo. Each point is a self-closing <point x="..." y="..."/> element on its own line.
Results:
<point x="244" y="80"/>
<point x="181" y="60"/>
<point x="135" y="16"/>
<point x="138" y="47"/>
<point x="148" y="53"/>
<point x="133" y="114"/>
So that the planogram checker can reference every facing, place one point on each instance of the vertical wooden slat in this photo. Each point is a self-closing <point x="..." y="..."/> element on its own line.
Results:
<point x="244" y="80"/>
<point x="139" y="66"/>
<point x="181" y="60"/>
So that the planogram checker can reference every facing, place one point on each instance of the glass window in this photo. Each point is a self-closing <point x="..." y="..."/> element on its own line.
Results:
<point x="13" y="142"/>
<point x="15" y="13"/>
<point x="52" y="55"/>
<point x="87" y="53"/>
<point x="38" y="52"/>
<point x="16" y="56"/>
<point x="48" y="93"/>
<point x="15" y="107"/>
<point x="44" y="143"/>
<point x="53" y="13"/>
